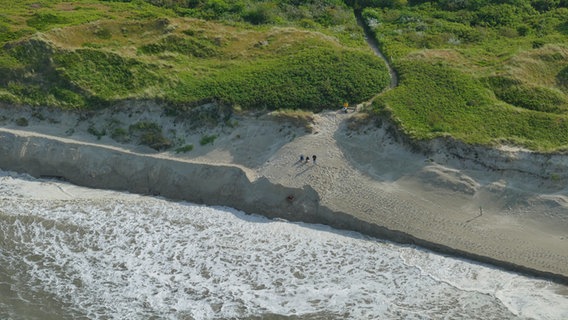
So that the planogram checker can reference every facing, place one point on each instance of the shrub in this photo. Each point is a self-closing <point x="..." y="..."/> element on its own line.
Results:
<point x="207" y="139"/>
<point x="188" y="46"/>
<point x="538" y="44"/>
<point x="299" y="118"/>
<point x="103" y="33"/>
<point x="43" y="21"/>
<point x="184" y="149"/>
<point x="312" y="78"/>
<point x="96" y="132"/>
<point x="150" y="134"/>
<point x="261" y="14"/>
<point x="497" y="15"/>
<point x="120" y="134"/>
<point x="107" y="75"/>
<point x="22" y="122"/>
<point x="529" y="96"/>
<point x="155" y="140"/>
<point x="562" y="79"/>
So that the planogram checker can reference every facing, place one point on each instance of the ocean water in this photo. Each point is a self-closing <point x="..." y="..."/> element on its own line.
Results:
<point x="68" y="252"/>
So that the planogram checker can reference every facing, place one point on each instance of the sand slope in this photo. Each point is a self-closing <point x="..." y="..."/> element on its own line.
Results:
<point x="519" y="218"/>
<point x="507" y="206"/>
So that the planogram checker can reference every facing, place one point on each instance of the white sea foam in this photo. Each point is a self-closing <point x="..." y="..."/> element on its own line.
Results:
<point x="107" y="254"/>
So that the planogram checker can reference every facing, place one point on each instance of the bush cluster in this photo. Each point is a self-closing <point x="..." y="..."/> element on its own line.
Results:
<point x="485" y="72"/>
<point x="145" y="51"/>
<point x="312" y="79"/>
<point x="150" y="134"/>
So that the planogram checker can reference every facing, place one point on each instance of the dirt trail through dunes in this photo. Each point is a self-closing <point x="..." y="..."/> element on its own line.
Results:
<point x="375" y="47"/>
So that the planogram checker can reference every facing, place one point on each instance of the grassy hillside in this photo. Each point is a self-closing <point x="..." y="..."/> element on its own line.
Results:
<point x="481" y="71"/>
<point x="265" y="55"/>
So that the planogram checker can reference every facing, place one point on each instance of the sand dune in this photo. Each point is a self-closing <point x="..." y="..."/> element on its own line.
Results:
<point x="504" y="206"/>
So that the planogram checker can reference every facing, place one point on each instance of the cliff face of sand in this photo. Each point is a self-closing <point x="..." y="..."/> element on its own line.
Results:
<point x="508" y="160"/>
<point x="507" y="207"/>
<point x="97" y="166"/>
<point x="109" y="168"/>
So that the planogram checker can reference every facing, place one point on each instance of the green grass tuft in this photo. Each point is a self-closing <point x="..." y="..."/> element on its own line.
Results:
<point x="207" y="139"/>
<point x="150" y="134"/>
<point x="186" y="148"/>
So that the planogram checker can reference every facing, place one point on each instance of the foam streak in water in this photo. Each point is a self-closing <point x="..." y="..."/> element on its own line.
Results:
<point x="105" y="254"/>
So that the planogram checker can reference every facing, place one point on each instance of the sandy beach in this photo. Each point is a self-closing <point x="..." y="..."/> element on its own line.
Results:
<point x="504" y="206"/>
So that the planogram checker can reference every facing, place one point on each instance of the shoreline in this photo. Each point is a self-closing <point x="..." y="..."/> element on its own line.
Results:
<point x="445" y="202"/>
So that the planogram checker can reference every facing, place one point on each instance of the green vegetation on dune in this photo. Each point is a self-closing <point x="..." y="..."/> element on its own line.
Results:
<point x="91" y="54"/>
<point x="434" y="100"/>
<point x="479" y="71"/>
<point x="289" y="82"/>
<point x="104" y="74"/>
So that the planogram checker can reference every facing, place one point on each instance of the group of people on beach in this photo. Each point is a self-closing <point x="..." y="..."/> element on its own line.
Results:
<point x="306" y="159"/>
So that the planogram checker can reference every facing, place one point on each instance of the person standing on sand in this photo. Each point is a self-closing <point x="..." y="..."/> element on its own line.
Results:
<point x="314" y="158"/>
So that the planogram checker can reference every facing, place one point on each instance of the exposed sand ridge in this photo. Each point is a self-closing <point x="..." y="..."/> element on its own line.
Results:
<point x="507" y="207"/>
